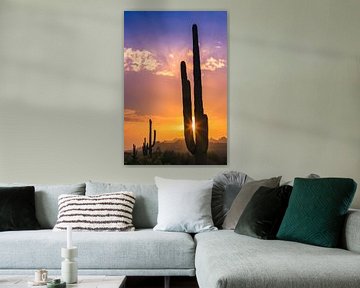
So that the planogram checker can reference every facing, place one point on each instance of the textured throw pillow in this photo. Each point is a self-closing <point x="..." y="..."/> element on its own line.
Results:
<point x="316" y="211"/>
<point x="243" y="198"/>
<point x="263" y="215"/>
<point x="146" y="205"/>
<point x="226" y="187"/>
<point x="106" y="212"/>
<point x="17" y="209"/>
<point x="184" y="205"/>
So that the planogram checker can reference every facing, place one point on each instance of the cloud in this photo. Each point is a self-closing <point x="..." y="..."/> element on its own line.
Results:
<point x="212" y="64"/>
<point x="169" y="65"/>
<point x="130" y="115"/>
<point x="165" y="73"/>
<point x="139" y="60"/>
<point x="218" y="45"/>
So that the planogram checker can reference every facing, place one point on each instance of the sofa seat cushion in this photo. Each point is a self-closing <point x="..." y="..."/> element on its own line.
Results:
<point x="142" y="249"/>
<point x="226" y="259"/>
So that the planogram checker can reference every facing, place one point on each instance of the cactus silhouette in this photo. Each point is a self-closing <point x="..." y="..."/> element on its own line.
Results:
<point x="134" y="152"/>
<point x="198" y="146"/>
<point x="147" y="147"/>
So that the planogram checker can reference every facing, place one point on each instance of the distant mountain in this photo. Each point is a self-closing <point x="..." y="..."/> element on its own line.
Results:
<point x="218" y="146"/>
<point x="220" y="140"/>
<point x="177" y="145"/>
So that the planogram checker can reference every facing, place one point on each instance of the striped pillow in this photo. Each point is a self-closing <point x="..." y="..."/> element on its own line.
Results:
<point x="105" y="212"/>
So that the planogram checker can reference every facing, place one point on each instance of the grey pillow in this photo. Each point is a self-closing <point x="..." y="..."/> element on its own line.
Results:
<point x="243" y="198"/>
<point x="46" y="200"/>
<point x="146" y="204"/>
<point x="310" y="176"/>
<point x="184" y="205"/>
<point x="226" y="187"/>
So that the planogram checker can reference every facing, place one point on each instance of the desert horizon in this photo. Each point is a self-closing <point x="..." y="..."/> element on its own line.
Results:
<point x="221" y="140"/>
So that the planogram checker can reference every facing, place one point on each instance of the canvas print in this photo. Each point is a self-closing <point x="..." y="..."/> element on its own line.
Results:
<point x="175" y="87"/>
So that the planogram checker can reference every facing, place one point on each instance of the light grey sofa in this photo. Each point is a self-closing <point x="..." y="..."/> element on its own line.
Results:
<point x="226" y="259"/>
<point x="220" y="259"/>
<point x="143" y="252"/>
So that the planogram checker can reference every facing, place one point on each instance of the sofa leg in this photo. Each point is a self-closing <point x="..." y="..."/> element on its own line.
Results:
<point x="167" y="282"/>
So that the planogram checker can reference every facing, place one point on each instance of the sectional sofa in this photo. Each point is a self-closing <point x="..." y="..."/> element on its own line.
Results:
<point x="221" y="259"/>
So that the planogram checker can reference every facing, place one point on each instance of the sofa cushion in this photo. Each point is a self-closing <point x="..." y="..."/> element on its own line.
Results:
<point x="184" y="205"/>
<point x="263" y="215"/>
<point x="225" y="259"/>
<point x="143" y="249"/>
<point x="226" y="187"/>
<point x="146" y="205"/>
<point x="243" y="198"/>
<point x="105" y="212"/>
<point x="317" y="209"/>
<point x="46" y="200"/>
<point x="17" y="208"/>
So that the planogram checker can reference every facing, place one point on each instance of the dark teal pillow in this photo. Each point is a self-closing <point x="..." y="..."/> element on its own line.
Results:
<point x="316" y="211"/>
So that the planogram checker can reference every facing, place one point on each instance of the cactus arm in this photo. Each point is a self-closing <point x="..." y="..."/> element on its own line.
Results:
<point x="150" y="132"/>
<point x="187" y="110"/>
<point x="201" y="119"/>
<point x="202" y="136"/>
<point x="198" y="103"/>
<point x="153" y="144"/>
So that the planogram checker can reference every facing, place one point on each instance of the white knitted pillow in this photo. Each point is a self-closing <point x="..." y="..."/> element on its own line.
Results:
<point x="105" y="212"/>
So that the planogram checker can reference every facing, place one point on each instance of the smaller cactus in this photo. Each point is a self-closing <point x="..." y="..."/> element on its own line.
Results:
<point x="147" y="147"/>
<point x="134" y="152"/>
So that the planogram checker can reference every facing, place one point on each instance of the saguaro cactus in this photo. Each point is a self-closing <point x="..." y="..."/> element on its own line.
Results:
<point x="198" y="146"/>
<point x="151" y="144"/>
<point x="134" y="152"/>
<point x="147" y="147"/>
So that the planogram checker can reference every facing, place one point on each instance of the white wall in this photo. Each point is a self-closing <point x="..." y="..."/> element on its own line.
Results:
<point x="294" y="89"/>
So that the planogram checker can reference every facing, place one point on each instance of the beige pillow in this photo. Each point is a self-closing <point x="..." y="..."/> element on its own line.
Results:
<point x="243" y="198"/>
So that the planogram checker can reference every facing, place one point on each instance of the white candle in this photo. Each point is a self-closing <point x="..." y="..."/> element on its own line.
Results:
<point x="69" y="237"/>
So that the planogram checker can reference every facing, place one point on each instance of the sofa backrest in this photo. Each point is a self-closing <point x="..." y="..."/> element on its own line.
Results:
<point x="146" y="203"/>
<point x="46" y="200"/>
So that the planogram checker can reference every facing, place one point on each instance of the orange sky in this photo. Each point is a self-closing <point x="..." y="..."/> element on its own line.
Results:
<point x="162" y="102"/>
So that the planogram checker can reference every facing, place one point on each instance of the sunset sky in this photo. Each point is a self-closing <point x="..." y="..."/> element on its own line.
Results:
<point x="154" y="45"/>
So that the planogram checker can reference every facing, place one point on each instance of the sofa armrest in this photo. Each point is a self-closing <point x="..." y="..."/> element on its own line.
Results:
<point x="351" y="233"/>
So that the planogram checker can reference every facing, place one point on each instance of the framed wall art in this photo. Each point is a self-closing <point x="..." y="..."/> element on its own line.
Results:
<point x="175" y="87"/>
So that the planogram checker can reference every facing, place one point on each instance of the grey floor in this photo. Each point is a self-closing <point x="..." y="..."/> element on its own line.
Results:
<point x="158" y="282"/>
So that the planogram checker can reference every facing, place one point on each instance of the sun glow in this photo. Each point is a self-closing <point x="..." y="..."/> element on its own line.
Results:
<point x="193" y="124"/>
